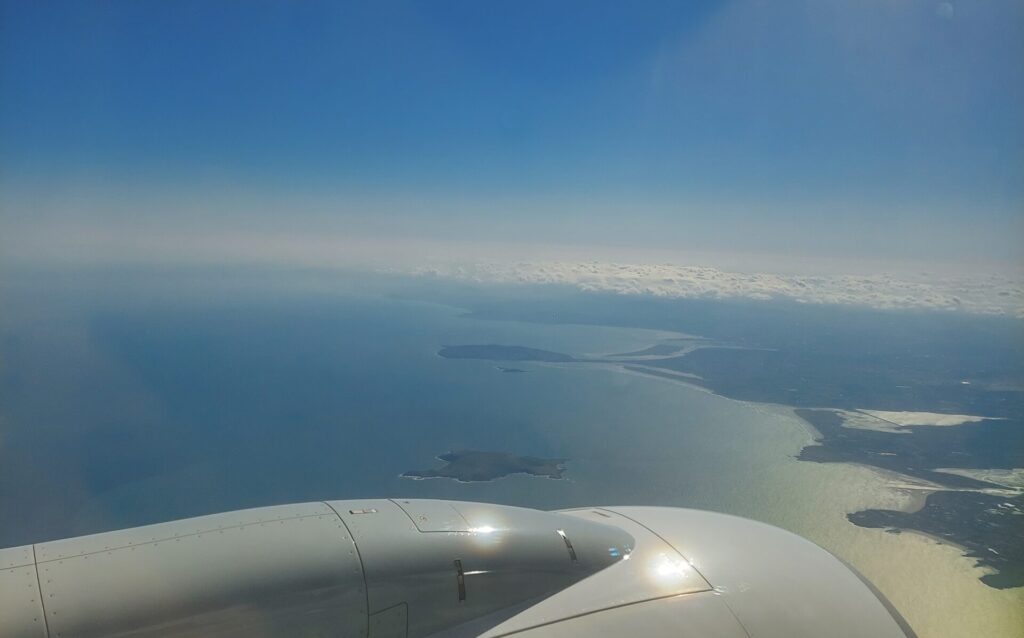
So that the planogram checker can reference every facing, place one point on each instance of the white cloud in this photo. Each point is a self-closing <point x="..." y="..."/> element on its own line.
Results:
<point x="980" y="294"/>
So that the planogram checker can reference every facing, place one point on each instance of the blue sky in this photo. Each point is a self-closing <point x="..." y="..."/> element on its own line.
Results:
<point x="877" y="130"/>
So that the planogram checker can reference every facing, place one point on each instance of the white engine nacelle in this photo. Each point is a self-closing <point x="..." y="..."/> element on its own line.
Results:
<point x="408" y="568"/>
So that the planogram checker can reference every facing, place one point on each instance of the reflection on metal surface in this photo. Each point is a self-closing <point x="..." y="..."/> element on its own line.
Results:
<point x="568" y="544"/>
<point x="668" y="568"/>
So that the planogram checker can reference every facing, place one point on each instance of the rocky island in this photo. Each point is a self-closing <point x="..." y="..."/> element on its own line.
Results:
<point x="468" y="466"/>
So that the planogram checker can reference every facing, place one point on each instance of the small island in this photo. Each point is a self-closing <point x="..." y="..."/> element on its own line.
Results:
<point x="467" y="466"/>
<point x="493" y="352"/>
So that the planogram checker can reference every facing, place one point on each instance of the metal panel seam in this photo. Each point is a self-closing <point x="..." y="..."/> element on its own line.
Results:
<point x="433" y="531"/>
<point x="733" y="613"/>
<point x="39" y="588"/>
<point x="598" y="611"/>
<point x="362" y="566"/>
<point x="464" y="520"/>
<point x="396" y="605"/>
<point x="407" y="514"/>
<point x="662" y="540"/>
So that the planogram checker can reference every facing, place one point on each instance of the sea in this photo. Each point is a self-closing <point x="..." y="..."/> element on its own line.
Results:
<point x="130" y="397"/>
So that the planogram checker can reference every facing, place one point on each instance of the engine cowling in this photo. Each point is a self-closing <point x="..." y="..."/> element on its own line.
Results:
<point x="398" y="568"/>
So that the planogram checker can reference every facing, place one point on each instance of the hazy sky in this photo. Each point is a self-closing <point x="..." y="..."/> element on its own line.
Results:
<point x="872" y="130"/>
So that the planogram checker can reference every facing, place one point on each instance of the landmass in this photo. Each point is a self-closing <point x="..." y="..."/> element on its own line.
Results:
<point x="984" y="517"/>
<point x="989" y="527"/>
<point x="810" y="356"/>
<point x="938" y="397"/>
<point x="920" y="451"/>
<point x="664" y="374"/>
<point x="494" y="352"/>
<point x="667" y="348"/>
<point x="468" y="466"/>
<point x="657" y="350"/>
<point x="808" y="379"/>
<point x="903" y="419"/>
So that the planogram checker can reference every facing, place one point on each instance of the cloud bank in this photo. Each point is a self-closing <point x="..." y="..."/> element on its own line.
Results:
<point x="978" y="294"/>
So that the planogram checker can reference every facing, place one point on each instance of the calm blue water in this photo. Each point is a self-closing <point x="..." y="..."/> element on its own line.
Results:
<point x="151" y="400"/>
